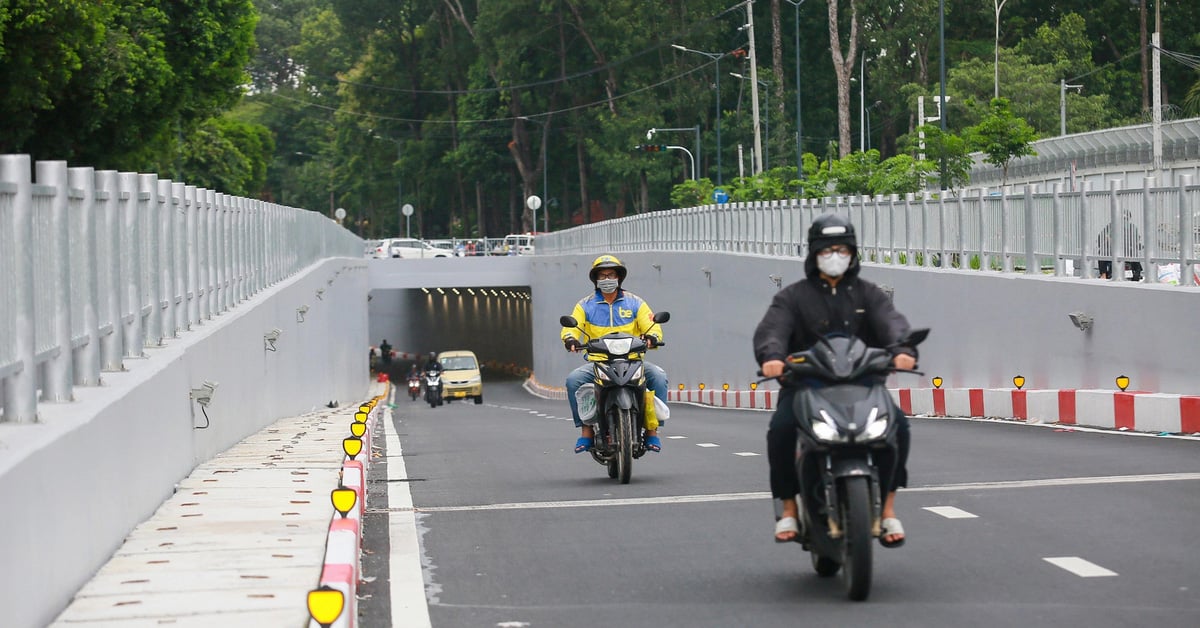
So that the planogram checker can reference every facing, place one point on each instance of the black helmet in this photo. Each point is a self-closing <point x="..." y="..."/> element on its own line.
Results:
<point x="828" y="230"/>
<point x="608" y="261"/>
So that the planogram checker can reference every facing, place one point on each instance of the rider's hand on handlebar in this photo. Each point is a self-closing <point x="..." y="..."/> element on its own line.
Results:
<point x="651" y="340"/>
<point x="572" y="345"/>
<point x="904" y="362"/>
<point x="772" y="368"/>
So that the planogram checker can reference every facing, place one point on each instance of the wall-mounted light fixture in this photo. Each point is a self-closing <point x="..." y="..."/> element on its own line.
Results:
<point x="1081" y="321"/>
<point x="778" y="279"/>
<point x="300" y="312"/>
<point x="270" y="337"/>
<point x="203" y="394"/>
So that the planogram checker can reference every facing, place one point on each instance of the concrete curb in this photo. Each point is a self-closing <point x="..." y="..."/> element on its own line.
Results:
<point x="1106" y="409"/>
<point x="342" y="569"/>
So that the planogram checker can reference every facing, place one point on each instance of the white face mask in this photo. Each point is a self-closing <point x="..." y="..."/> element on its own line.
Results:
<point x="833" y="265"/>
<point x="608" y="286"/>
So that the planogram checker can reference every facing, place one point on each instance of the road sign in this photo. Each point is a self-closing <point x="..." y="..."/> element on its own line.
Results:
<point x="534" y="202"/>
<point x="340" y="214"/>
<point x="407" y="210"/>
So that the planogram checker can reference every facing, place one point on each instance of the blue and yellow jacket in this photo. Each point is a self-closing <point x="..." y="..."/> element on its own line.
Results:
<point x="628" y="313"/>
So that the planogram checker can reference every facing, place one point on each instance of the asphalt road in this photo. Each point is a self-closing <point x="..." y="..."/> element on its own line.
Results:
<point x="1032" y="526"/>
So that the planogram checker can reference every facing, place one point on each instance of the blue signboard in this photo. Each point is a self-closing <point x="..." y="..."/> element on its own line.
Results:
<point x="720" y="195"/>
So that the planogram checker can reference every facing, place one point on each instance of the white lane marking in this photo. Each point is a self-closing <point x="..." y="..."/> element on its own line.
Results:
<point x="722" y="497"/>
<point x="676" y="437"/>
<point x="409" y="607"/>
<point x="1080" y="567"/>
<point x="1109" y="479"/>
<point x="707" y="445"/>
<point x="746" y="453"/>
<point x="950" y="512"/>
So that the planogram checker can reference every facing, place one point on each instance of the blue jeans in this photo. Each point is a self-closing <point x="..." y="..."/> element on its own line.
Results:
<point x="656" y="380"/>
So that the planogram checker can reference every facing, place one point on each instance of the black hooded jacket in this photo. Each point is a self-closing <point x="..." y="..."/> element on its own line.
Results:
<point x="803" y="311"/>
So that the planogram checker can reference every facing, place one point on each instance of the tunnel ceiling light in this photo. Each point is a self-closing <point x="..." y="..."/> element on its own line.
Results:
<point x="470" y="292"/>
<point x="425" y="290"/>
<point x="455" y="291"/>
<point x="440" y="291"/>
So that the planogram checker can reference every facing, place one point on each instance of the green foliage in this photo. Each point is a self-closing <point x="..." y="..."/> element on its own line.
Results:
<point x="900" y="175"/>
<point x="852" y="174"/>
<point x="1002" y="136"/>
<point x="692" y="193"/>
<point x="944" y="148"/>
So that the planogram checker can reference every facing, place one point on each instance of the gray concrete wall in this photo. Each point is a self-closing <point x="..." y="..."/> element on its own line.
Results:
<point x="987" y="327"/>
<point x="75" y="483"/>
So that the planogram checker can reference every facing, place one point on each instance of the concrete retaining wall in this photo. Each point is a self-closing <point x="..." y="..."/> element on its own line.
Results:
<point x="75" y="483"/>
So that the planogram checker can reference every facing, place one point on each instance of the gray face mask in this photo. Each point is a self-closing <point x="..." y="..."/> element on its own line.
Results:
<point x="608" y="286"/>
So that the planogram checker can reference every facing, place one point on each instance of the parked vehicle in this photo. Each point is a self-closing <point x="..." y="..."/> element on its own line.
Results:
<point x="433" y="388"/>
<point x="620" y="385"/>
<point x="461" y="376"/>
<point x="371" y="248"/>
<point x="846" y="425"/>
<point x="515" y="244"/>
<point x="381" y="249"/>
<point x="412" y="248"/>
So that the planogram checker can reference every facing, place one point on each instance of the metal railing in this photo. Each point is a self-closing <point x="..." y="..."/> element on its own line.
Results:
<point x="95" y="266"/>
<point x="1052" y="232"/>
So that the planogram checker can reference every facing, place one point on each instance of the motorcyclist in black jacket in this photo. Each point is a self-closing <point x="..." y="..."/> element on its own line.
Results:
<point x="832" y="299"/>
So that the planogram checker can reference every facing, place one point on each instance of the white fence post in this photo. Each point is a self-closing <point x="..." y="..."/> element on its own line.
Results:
<point x="16" y="276"/>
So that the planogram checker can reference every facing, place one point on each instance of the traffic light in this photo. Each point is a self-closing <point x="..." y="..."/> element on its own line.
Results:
<point x="651" y="148"/>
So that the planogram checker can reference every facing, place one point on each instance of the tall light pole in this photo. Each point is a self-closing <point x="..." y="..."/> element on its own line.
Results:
<point x="862" y="99"/>
<point x="715" y="56"/>
<point x="765" y="158"/>
<point x="758" y="151"/>
<point x="999" y="4"/>
<point x="545" y="167"/>
<point x="799" y="124"/>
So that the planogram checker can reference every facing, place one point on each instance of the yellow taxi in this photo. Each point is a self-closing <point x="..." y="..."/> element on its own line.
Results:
<point x="461" y="378"/>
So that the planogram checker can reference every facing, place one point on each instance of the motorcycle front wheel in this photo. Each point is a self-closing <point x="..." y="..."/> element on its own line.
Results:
<point x="624" y="445"/>
<point x="856" y="545"/>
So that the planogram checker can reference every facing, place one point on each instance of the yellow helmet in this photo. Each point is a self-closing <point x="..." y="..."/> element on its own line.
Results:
<point x="608" y="261"/>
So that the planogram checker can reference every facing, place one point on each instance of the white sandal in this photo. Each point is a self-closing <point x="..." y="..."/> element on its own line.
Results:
<point x="785" y="525"/>
<point x="890" y="526"/>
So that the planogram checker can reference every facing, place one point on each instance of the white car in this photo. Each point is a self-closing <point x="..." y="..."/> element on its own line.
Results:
<point x="412" y="248"/>
<point x="379" y="249"/>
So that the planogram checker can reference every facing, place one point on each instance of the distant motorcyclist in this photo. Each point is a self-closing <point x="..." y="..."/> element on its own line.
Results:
<point x="611" y="308"/>
<point x="831" y="300"/>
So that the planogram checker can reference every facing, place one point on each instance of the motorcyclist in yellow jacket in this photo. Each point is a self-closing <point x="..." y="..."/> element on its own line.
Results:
<point x="611" y="308"/>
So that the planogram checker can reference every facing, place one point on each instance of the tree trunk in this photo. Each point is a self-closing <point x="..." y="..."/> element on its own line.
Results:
<point x="585" y="202"/>
<point x="843" y="66"/>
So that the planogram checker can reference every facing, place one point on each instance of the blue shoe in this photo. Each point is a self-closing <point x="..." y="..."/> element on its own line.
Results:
<point x="583" y="444"/>
<point x="653" y="443"/>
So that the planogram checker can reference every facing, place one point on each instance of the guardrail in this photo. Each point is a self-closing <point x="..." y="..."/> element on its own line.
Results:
<point x="1054" y="232"/>
<point x="95" y="266"/>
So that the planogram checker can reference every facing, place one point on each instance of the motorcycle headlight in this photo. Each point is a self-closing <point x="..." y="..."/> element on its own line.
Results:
<point x="618" y="346"/>
<point x="826" y="429"/>
<point x="876" y="425"/>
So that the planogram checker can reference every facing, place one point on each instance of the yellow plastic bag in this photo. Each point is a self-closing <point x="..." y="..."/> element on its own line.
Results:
<point x="651" y="412"/>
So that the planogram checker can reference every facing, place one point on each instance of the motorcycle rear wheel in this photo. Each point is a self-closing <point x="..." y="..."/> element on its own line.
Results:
<point x="824" y="566"/>
<point x="856" y="544"/>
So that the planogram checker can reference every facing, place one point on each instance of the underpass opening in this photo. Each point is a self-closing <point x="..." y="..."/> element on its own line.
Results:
<point x="494" y="322"/>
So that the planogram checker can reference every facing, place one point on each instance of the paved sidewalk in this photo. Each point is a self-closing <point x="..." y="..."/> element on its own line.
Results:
<point x="240" y="543"/>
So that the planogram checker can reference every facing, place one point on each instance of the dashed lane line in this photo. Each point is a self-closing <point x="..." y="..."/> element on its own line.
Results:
<point x="950" y="512"/>
<point x="721" y="497"/>
<point x="1080" y="567"/>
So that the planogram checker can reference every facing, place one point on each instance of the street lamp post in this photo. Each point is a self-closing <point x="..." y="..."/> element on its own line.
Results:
<point x="545" y="167"/>
<point x="862" y="100"/>
<point x="766" y="153"/>
<point x="799" y="124"/>
<point x="998" y="4"/>
<point x="717" y="58"/>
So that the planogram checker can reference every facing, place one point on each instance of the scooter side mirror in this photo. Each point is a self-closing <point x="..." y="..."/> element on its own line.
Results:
<point x="662" y="317"/>
<point x="568" y="321"/>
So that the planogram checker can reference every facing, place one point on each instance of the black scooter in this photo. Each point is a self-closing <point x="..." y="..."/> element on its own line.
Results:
<point x="620" y="384"/>
<point x="433" y="388"/>
<point x="846" y="426"/>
